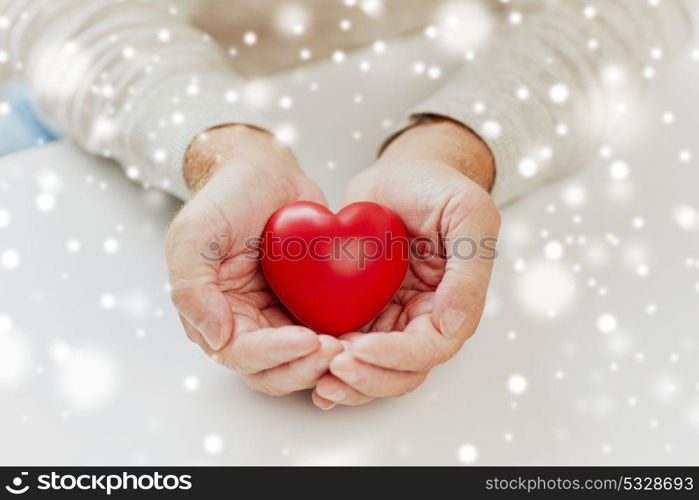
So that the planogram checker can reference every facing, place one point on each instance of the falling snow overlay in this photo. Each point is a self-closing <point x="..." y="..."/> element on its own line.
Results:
<point x="586" y="353"/>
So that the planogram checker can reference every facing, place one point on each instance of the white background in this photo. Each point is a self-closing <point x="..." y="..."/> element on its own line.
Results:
<point x="587" y="353"/>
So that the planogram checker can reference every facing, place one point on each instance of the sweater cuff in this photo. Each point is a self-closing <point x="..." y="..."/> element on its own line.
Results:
<point x="510" y="121"/>
<point x="162" y="129"/>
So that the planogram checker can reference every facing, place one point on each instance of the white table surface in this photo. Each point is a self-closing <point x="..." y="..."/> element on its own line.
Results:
<point x="95" y="369"/>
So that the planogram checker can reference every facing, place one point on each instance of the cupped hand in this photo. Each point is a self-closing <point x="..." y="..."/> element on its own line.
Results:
<point x="436" y="177"/>
<point x="240" y="176"/>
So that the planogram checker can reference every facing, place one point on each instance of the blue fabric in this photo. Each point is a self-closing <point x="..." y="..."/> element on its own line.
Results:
<point x="20" y="127"/>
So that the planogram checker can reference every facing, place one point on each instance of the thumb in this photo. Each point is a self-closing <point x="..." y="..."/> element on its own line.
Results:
<point x="459" y="299"/>
<point x="205" y="307"/>
<point x="460" y="296"/>
<point x="194" y="289"/>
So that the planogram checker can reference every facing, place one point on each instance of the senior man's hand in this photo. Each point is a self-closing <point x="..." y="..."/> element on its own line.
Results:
<point x="436" y="177"/>
<point x="240" y="176"/>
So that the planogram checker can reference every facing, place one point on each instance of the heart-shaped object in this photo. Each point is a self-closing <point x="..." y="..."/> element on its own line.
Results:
<point x="335" y="273"/>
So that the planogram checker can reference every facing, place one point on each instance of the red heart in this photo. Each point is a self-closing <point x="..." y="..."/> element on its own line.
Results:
<point x="335" y="273"/>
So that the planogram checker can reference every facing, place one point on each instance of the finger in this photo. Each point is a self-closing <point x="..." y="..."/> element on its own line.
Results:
<point x="258" y="350"/>
<point x="322" y="403"/>
<point x="299" y="374"/>
<point x="460" y="296"/>
<point x="347" y="338"/>
<point x="330" y="391"/>
<point x="388" y="319"/>
<point x="372" y="380"/>
<point x="193" y="284"/>
<point x="205" y="307"/>
<point x="192" y="333"/>
<point x="413" y="351"/>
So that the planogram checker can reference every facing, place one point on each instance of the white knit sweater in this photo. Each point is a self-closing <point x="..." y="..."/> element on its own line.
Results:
<point x="136" y="83"/>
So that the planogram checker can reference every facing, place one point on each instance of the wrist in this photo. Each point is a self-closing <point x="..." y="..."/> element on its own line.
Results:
<point x="447" y="141"/>
<point x="226" y="146"/>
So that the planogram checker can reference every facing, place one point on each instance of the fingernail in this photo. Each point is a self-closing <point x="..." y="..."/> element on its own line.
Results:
<point x="336" y="396"/>
<point x="212" y="334"/>
<point x="451" y="322"/>
<point x="329" y="407"/>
